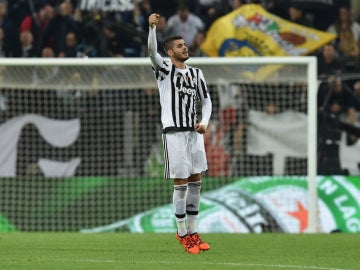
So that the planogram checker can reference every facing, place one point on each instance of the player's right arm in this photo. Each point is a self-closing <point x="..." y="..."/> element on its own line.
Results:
<point x="155" y="57"/>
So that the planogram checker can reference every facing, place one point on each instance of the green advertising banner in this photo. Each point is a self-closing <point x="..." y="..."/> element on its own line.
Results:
<point x="228" y="205"/>
<point x="261" y="204"/>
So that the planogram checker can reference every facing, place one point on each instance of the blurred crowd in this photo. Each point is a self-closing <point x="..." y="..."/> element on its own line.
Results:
<point x="66" y="28"/>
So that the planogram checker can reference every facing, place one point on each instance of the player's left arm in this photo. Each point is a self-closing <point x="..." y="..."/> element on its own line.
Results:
<point x="206" y="105"/>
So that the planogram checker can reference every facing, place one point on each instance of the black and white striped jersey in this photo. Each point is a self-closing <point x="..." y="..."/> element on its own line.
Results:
<point x="183" y="93"/>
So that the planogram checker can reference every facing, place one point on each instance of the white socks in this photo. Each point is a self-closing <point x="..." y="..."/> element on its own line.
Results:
<point x="186" y="201"/>
<point x="192" y="205"/>
<point x="179" y="204"/>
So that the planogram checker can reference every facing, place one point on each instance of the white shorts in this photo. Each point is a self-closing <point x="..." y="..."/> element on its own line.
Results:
<point x="184" y="154"/>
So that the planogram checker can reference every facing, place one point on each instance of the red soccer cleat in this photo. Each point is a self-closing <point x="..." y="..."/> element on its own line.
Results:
<point x="199" y="242"/>
<point x="189" y="245"/>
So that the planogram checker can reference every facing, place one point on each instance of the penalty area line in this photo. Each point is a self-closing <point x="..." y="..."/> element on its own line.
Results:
<point x="285" y="266"/>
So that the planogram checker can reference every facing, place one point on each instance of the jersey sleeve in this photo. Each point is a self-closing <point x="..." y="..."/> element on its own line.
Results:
<point x="156" y="59"/>
<point x="205" y="99"/>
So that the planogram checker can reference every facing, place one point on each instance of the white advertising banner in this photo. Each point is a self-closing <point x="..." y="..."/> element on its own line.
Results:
<point x="57" y="133"/>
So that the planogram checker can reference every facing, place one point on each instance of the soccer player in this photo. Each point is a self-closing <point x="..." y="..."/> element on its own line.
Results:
<point x="182" y="90"/>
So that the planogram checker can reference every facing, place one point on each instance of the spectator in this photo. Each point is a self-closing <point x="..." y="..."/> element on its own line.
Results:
<point x="70" y="98"/>
<point x="328" y="62"/>
<point x="77" y="15"/>
<point x="354" y="119"/>
<point x="47" y="52"/>
<point x="161" y="29"/>
<point x="335" y="99"/>
<point x="345" y="21"/>
<point x="70" y="49"/>
<point x="92" y="42"/>
<point x="63" y="23"/>
<point x="142" y="11"/>
<point x="235" y="4"/>
<point x="348" y="49"/>
<point x="297" y="16"/>
<point x="357" y="94"/>
<point x="8" y="26"/>
<point x="184" y="24"/>
<point x="26" y="48"/>
<point x="45" y="74"/>
<point x="194" y="49"/>
<point x="37" y="25"/>
<point x="113" y="42"/>
<point x="4" y="48"/>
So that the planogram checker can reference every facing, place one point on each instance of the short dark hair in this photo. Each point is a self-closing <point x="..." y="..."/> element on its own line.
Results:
<point x="168" y="43"/>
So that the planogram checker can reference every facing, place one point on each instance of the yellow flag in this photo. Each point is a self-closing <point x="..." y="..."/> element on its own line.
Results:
<point x="252" y="31"/>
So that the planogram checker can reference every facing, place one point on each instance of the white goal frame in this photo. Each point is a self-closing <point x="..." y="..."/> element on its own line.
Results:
<point x="312" y="83"/>
<point x="311" y="63"/>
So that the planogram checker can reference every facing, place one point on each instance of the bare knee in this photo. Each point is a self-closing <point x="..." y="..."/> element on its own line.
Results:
<point x="180" y="181"/>
<point x="195" y="177"/>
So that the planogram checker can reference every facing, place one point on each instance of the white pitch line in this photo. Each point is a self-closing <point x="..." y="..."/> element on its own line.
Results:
<point x="287" y="266"/>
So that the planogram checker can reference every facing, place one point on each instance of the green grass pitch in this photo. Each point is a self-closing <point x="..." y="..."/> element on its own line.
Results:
<point x="108" y="251"/>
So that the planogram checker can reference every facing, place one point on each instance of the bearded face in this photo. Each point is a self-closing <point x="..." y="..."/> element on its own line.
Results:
<point x="179" y="50"/>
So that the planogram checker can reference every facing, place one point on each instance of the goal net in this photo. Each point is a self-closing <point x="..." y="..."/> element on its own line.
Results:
<point x="82" y="151"/>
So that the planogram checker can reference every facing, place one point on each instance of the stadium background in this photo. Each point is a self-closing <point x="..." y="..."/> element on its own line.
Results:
<point x="50" y="190"/>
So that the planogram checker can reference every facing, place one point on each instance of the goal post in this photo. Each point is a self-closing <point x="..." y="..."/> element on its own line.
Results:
<point x="311" y="71"/>
<point x="312" y="144"/>
<point x="91" y="126"/>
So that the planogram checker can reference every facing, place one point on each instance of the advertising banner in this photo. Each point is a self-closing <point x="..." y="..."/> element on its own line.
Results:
<point x="107" y="5"/>
<point x="261" y="204"/>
